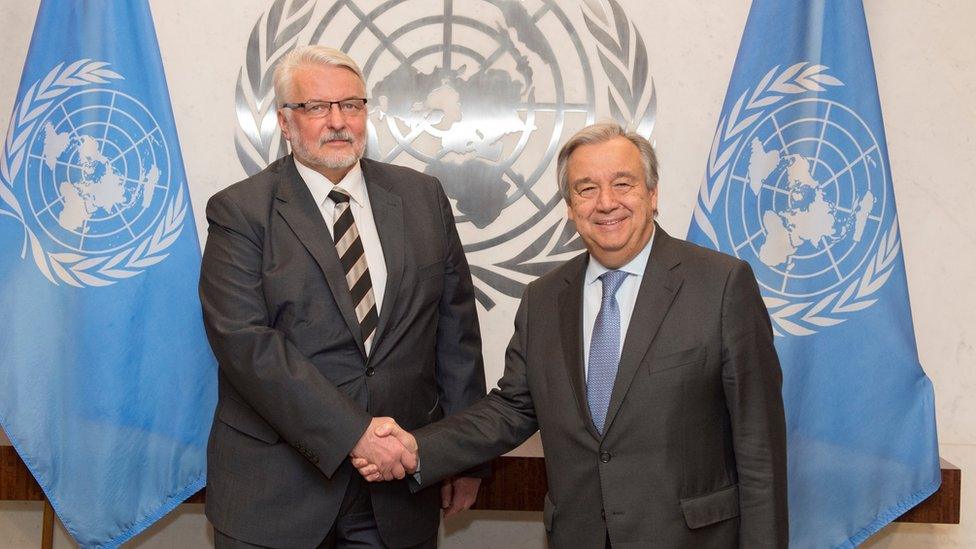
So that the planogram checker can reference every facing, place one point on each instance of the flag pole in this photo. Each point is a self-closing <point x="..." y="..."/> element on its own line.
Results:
<point x="47" y="526"/>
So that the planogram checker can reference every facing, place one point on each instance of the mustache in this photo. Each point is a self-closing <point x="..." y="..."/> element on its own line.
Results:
<point x="336" y="136"/>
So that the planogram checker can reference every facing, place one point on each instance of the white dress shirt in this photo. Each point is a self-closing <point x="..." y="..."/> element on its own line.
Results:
<point x="355" y="185"/>
<point x="626" y="296"/>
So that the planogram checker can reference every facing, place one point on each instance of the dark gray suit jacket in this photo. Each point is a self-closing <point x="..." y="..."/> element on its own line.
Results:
<point x="296" y="390"/>
<point x="694" y="451"/>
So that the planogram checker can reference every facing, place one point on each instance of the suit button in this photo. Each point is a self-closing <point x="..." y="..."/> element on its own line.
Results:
<point x="370" y="371"/>
<point x="605" y="457"/>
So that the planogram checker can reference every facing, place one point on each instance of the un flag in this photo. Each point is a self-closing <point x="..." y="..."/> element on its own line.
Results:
<point x="107" y="384"/>
<point x="798" y="184"/>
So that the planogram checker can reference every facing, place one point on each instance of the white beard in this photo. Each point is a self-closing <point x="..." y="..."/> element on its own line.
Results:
<point x="325" y="159"/>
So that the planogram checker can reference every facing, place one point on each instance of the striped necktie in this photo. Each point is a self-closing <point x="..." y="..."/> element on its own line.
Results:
<point x="350" y="249"/>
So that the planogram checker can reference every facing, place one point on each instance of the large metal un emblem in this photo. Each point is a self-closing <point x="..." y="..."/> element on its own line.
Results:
<point x="480" y="94"/>
<point x="86" y="171"/>
<point x="803" y="185"/>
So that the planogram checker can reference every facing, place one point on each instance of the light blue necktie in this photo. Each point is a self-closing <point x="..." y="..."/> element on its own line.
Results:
<point x="604" y="349"/>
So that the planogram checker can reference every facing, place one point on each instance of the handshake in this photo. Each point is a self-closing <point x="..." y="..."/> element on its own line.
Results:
<point x="385" y="451"/>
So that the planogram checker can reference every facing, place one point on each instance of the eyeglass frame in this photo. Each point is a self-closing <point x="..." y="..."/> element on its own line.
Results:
<point x="328" y="104"/>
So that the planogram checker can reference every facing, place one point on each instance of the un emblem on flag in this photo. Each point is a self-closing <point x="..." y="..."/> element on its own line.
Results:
<point x="812" y="195"/>
<point x="87" y="171"/>
<point x="799" y="188"/>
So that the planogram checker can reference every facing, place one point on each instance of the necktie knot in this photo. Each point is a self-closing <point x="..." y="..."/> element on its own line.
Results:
<point x="338" y="195"/>
<point x="612" y="280"/>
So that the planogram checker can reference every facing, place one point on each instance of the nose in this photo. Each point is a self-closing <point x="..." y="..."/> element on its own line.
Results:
<point x="606" y="200"/>
<point x="335" y="119"/>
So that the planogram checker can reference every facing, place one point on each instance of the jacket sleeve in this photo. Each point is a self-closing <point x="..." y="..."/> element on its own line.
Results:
<point x="267" y="370"/>
<point x="490" y="427"/>
<point x="753" y="392"/>
<point x="460" y="367"/>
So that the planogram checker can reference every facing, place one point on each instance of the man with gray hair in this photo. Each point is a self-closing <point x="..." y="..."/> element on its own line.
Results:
<point x="648" y="365"/>
<point x="336" y="297"/>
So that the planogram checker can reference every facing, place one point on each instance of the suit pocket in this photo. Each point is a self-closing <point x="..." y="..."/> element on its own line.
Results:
<point x="548" y="512"/>
<point x="710" y="508"/>
<point x="660" y="363"/>
<point x="244" y="420"/>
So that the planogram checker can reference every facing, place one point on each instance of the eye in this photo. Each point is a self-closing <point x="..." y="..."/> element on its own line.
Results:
<point x="622" y="187"/>
<point x="586" y="191"/>
<point x="351" y="106"/>
<point x="314" y="107"/>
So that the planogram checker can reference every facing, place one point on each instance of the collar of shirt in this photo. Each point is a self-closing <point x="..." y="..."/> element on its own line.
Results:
<point x="320" y="186"/>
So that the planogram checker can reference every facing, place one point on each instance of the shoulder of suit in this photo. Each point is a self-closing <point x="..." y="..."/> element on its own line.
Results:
<point x="263" y="183"/>
<point x="700" y="259"/>
<point x="393" y="173"/>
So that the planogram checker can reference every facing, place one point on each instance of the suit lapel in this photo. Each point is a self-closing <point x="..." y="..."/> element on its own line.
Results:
<point x="571" y="336"/>
<point x="659" y="286"/>
<point x="388" y="216"/>
<point x="296" y="205"/>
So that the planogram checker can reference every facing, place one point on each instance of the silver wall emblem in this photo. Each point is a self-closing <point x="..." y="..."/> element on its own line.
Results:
<point x="480" y="94"/>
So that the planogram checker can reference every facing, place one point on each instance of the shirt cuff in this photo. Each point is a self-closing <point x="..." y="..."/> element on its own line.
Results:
<point x="416" y="474"/>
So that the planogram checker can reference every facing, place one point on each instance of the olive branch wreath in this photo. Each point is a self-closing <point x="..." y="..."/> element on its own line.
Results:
<point x="258" y="140"/>
<point x="72" y="268"/>
<point x="800" y="318"/>
<point x="625" y="94"/>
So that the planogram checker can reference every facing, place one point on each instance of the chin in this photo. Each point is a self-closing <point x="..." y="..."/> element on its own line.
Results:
<point x="336" y="162"/>
<point x="339" y="164"/>
<point x="610" y="247"/>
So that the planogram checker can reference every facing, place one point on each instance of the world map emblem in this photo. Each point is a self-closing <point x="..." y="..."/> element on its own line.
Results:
<point x="479" y="94"/>
<point x="800" y="185"/>
<point x="86" y="169"/>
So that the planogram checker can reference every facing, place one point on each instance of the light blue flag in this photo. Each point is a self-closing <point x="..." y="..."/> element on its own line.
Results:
<point x="798" y="184"/>
<point x="107" y="384"/>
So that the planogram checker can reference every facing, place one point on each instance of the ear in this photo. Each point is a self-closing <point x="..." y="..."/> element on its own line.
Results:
<point x="570" y="214"/>
<point x="283" y="124"/>
<point x="653" y="199"/>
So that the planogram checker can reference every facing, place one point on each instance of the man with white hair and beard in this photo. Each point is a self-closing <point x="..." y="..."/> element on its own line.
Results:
<point x="336" y="296"/>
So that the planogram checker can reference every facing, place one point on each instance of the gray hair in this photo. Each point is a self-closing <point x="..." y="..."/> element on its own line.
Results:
<point x="601" y="132"/>
<point x="309" y="55"/>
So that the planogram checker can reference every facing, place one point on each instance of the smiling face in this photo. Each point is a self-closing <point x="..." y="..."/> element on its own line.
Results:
<point x="332" y="144"/>
<point x="609" y="200"/>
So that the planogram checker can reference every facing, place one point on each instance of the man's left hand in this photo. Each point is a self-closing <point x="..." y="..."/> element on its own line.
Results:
<point x="458" y="494"/>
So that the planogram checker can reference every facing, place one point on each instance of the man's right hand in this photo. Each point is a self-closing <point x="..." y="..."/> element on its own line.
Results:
<point x="388" y="430"/>
<point x="387" y="457"/>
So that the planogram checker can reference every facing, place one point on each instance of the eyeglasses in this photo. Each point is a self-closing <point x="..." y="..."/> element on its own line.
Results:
<point x="315" y="108"/>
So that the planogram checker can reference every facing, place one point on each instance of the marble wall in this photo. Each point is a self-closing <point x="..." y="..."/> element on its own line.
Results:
<point x="925" y="59"/>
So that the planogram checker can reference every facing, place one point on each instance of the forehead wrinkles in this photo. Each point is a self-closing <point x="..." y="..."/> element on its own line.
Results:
<point x="606" y="176"/>
<point x="320" y="81"/>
